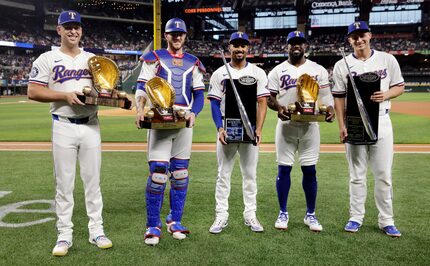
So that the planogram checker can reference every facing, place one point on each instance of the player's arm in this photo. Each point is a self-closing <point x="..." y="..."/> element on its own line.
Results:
<point x="198" y="96"/>
<point x="215" y="96"/>
<point x="147" y="72"/>
<point x="339" y="95"/>
<point x="261" y="116"/>
<point x="325" y="94"/>
<point x="41" y="93"/>
<point x="272" y="102"/>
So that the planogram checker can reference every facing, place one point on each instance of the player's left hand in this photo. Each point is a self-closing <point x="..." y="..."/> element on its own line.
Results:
<point x="330" y="114"/>
<point x="191" y="118"/>
<point x="378" y="97"/>
<point x="257" y="137"/>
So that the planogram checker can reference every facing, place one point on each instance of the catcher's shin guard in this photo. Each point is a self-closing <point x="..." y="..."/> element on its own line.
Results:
<point x="155" y="192"/>
<point x="179" y="187"/>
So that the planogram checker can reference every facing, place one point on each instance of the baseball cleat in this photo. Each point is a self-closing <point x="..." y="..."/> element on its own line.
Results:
<point x="152" y="236"/>
<point x="61" y="248"/>
<point x="218" y="225"/>
<point x="177" y="230"/>
<point x="254" y="224"/>
<point x="101" y="241"/>
<point x="312" y="221"/>
<point x="352" y="227"/>
<point x="282" y="221"/>
<point x="391" y="230"/>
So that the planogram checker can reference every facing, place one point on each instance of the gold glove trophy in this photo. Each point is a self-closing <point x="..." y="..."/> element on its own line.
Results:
<point x="162" y="115"/>
<point x="105" y="78"/>
<point x="305" y="109"/>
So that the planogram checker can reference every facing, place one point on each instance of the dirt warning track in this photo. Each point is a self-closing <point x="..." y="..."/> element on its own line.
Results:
<point x="197" y="147"/>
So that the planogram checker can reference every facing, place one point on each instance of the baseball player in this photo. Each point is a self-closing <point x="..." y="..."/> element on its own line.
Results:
<point x="380" y="155"/>
<point x="169" y="151"/>
<point x="251" y="81"/>
<point x="291" y="136"/>
<point x="58" y="77"/>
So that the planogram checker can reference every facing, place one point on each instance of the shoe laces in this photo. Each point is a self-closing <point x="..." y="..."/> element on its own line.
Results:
<point x="219" y="222"/>
<point x="283" y="216"/>
<point x="254" y="222"/>
<point x="101" y="238"/>
<point x="62" y="243"/>
<point x="312" y="219"/>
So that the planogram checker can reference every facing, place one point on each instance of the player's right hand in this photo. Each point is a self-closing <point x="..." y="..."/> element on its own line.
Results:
<point x="283" y="113"/>
<point x="343" y="134"/>
<point x="222" y="136"/>
<point x="72" y="98"/>
<point x="139" y="117"/>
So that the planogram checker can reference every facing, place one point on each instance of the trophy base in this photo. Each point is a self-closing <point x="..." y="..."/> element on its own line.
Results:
<point x="163" y="125"/>
<point x="120" y="102"/>
<point x="308" y="118"/>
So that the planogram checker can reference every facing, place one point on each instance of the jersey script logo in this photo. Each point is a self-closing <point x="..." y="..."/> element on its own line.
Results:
<point x="61" y="74"/>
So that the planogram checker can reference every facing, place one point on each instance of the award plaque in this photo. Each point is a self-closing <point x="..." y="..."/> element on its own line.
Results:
<point x="367" y="84"/>
<point x="162" y="115"/>
<point x="305" y="109"/>
<point x="105" y="74"/>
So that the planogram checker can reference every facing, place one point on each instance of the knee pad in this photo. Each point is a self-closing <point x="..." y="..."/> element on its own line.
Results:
<point x="157" y="177"/>
<point x="179" y="170"/>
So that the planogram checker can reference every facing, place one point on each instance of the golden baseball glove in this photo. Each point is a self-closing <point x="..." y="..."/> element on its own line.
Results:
<point x="105" y="73"/>
<point x="307" y="89"/>
<point x="160" y="92"/>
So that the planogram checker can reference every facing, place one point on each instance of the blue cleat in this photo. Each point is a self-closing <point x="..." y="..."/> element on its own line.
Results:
<point x="352" y="227"/>
<point x="391" y="230"/>
<point x="152" y="236"/>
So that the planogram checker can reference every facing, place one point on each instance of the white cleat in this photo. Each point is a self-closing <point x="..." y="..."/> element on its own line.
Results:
<point x="152" y="241"/>
<point x="312" y="221"/>
<point x="282" y="221"/>
<point x="101" y="241"/>
<point x="254" y="224"/>
<point x="218" y="225"/>
<point x="61" y="248"/>
<point x="179" y="235"/>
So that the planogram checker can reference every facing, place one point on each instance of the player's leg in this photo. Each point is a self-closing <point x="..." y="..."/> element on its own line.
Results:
<point x="90" y="164"/>
<point x="286" y="147"/>
<point x="181" y="153"/>
<point x="225" y="157"/>
<point x="381" y="160"/>
<point x="309" y="148"/>
<point x="248" y="165"/>
<point x="159" y="147"/>
<point x="64" y="150"/>
<point x="357" y="157"/>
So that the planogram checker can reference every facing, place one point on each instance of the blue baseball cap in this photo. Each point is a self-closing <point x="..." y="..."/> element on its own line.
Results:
<point x="175" y="25"/>
<point x="358" y="26"/>
<point x="239" y="37"/>
<point x="69" y="16"/>
<point x="296" y="35"/>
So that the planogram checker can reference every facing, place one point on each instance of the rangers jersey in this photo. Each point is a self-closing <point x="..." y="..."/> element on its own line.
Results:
<point x="61" y="72"/>
<point x="383" y="64"/>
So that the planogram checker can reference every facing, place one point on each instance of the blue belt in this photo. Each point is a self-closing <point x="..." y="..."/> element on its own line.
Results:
<point x="78" y="121"/>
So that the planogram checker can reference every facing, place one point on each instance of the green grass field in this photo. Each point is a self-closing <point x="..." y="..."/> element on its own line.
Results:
<point x="30" y="121"/>
<point x="29" y="176"/>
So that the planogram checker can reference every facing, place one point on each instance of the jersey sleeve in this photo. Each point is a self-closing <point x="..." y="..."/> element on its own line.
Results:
<point x="215" y="87"/>
<point x="395" y="72"/>
<point x="40" y="71"/>
<point x="339" y="81"/>
<point x="148" y="71"/>
<point x="262" y="90"/>
<point x="273" y="83"/>
<point x="198" y="83"/>
<point x="325" y="93"/>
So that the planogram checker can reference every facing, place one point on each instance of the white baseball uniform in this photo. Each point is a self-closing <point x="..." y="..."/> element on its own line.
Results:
<point x="292" y="136"/>
<point x="379" y="155"/>
<point x="226" y="153"/>
<point x="75" y="134"/>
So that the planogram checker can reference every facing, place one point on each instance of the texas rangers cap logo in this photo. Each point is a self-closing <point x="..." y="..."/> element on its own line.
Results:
<point x="178" y="24"/>
<point x="357" y="25"/>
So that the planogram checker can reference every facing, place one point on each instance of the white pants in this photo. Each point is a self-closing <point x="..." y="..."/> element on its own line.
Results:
<point x="69" y="142"/>
<point x="164" y="144"/>
<point x="380" y="158"/>
<point x="248" y="165"/>
<point x="292" y="137"/>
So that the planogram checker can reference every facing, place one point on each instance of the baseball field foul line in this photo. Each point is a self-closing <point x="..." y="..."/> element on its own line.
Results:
<point x="197" y="147"/>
